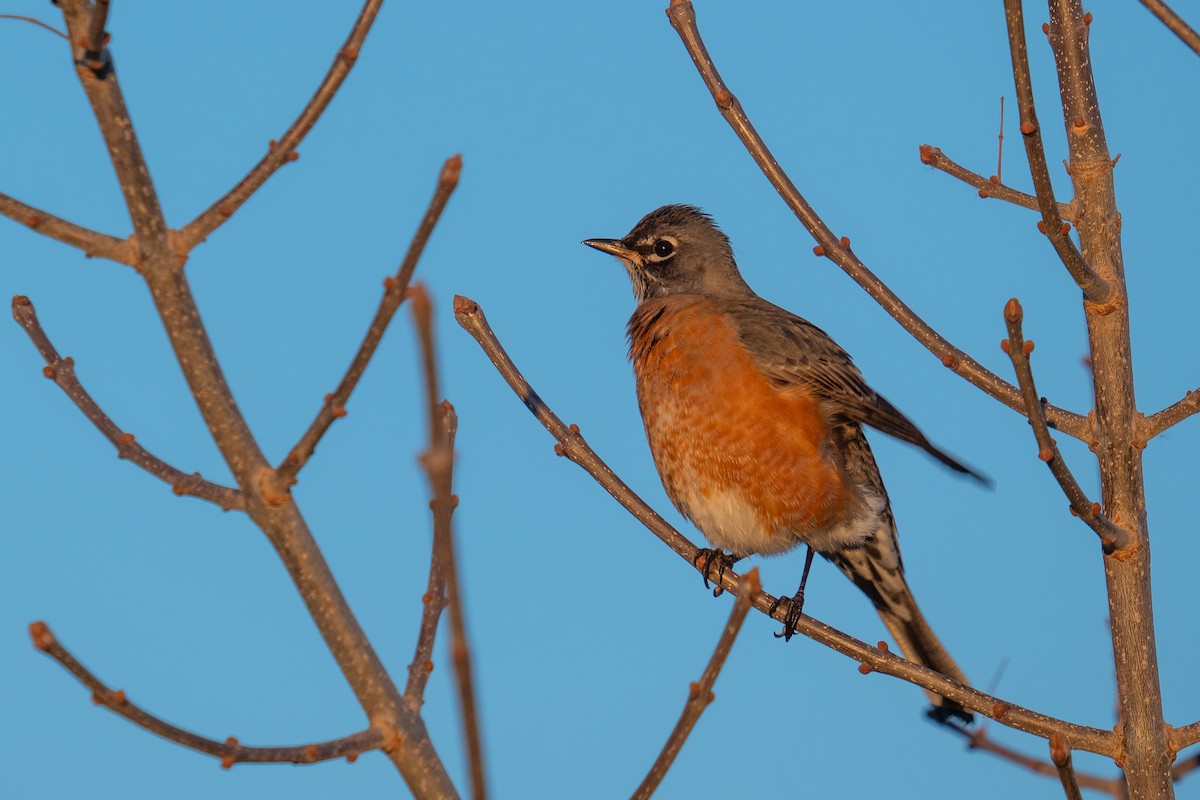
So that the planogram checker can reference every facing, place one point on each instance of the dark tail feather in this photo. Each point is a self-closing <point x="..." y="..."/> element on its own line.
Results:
<point x="954" y="464"/>
<point x="878" y="573"/>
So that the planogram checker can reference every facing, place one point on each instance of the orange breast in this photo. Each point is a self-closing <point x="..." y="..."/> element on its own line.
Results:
<point x="750" y="463"/>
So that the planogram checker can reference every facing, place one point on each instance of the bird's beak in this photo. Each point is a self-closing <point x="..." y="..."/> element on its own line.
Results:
<point x="613" y="247"/>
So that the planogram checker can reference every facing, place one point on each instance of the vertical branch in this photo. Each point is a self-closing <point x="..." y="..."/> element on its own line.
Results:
<point x="433" y="603"/>
<point x="1146" y="758"/>
<point x="439" y="463"/>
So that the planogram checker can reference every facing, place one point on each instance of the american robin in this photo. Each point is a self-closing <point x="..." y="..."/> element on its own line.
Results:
<point x="754" y="417"/>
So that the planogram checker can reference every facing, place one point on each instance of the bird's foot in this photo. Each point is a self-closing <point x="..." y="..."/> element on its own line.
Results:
<point x="706" y="559"/>
<point x="795" y="609"/>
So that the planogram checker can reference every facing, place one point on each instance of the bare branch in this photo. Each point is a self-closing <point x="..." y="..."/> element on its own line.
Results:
<point x="62" y="371"/>
<point x="1173" y="21"/>
<point x="1114" y="538"/>
<point x="988" y="187"/>
<point x="572" y="445"/>
<point x="978" y="739"/>
<point x="439" y="464"/>
<point x="229" y="751"/>
<point x="683" y="19"/>
<point x="1145" y="756"/>
<point x="284" y="150"/>
<point x="92" y="243"/>
<point x="1060" y="754"/>
<point x="394" y="292"/>
<point x="1173" y="414"/>
<point x="700" y="693"/>
<point x="103" y="91"/>
<point x="1095" y="288"/>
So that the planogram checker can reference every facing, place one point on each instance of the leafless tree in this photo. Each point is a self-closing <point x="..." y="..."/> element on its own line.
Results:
<point x="1142" y="744"/>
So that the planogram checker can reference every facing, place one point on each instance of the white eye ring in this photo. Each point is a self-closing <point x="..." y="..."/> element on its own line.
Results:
<point x="663" y="248"/>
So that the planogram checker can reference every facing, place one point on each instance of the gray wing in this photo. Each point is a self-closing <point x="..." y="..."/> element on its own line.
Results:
<point x="792" y="351"/>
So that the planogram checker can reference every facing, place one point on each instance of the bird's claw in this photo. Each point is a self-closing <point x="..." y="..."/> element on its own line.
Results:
<point x="795" y="610"/>
<point x="710" y="556"/>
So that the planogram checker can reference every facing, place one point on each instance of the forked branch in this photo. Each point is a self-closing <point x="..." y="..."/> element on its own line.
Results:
<point x="284" y="150"/>
<point x="395" y="289"/>
<point x="700" y="693"/>
<point x="229" y="751"/>
<point x="116" y="126"/>
<point x="1114" y="539"/>
<point x="988" y="187"/>
<point x="1096" y="289"/>
<point x="683" y="19"/>
<point x="572" y="445"/>
<point x="62" y="371"/>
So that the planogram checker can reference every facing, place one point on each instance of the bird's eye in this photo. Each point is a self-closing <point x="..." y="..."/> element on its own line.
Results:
<point x="663" y="248"/>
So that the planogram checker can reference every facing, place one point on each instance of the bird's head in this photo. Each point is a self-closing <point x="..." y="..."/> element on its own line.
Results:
<point x="676" y="249"/>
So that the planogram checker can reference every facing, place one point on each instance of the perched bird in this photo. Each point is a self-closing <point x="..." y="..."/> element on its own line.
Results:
<point x="754" y="418"/>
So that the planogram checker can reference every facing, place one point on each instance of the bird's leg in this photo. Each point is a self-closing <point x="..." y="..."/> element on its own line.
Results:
<point x="795" y="602"/>
<point x="723" y="560"/>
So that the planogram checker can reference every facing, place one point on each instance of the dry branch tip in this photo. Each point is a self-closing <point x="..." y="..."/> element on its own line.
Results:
<point x="451" y="170"/>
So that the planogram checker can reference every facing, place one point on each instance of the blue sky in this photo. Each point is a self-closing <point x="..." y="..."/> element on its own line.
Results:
<point x="574" y="120"/>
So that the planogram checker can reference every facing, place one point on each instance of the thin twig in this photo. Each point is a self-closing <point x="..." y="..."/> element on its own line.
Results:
<point x="978" y="739"/>
<point x="92" y="243"/>
<point x="1173" y="21"/>
<point x="1096" y="289"/>
<point x="700" y="693"/>
<point x="1175" y="413"/>
<point x="1000" y="145"/>
<point x="37" y="22"/>
<point x="439" y="463"/>
<point x="284" y="150"/>
<point x="62" y="371"/>
<point x="229" y="751"/>
<point x="394" y="290"/>
<point x="1114" y="538"/>
<point x="1060" y="754"/>
<point x="572" y="445"/>
<point x="988" y="187"/>
<point x="683" y="19"/>
<point x="432" y="604"/>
